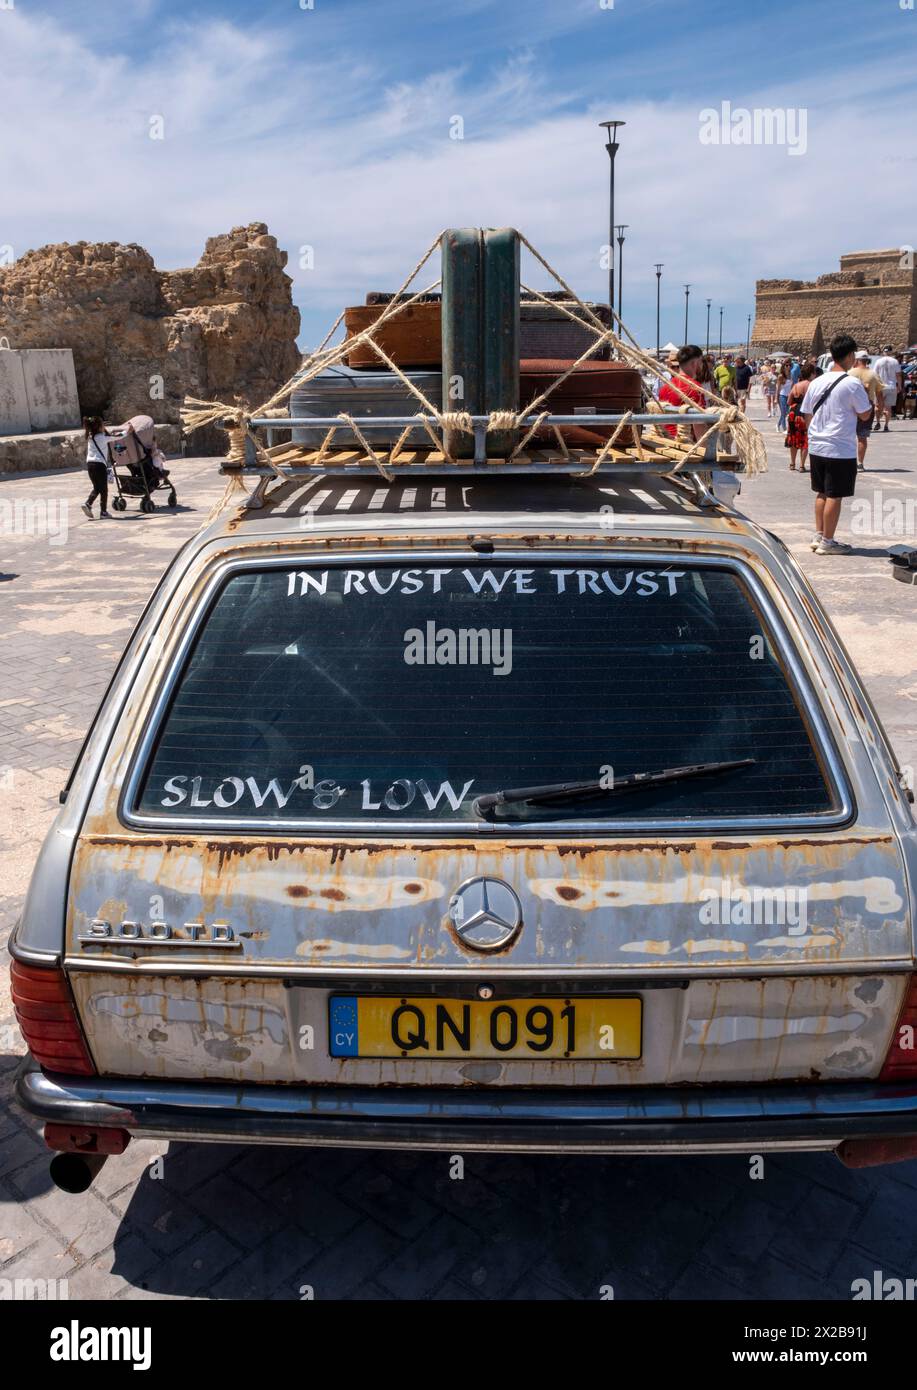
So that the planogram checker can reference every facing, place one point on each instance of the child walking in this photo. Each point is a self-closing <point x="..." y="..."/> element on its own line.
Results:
<point x="97" y="465"/>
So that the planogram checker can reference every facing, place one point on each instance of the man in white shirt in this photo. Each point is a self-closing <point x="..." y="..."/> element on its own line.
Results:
<point x="832" y="406"/>
<point x="888" y="369"/>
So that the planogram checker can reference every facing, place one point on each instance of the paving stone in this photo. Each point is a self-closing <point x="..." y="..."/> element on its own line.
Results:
<point x="239" y="1213"/>
<point x="883" y="1233"/>
<point x="817" y="1231"/>
<point x="424" y="1264"/>
<point x="197" y="1269"/>
<point x="698" y="1282"/>
<point x="401" y="1209"/>
<point x="269" y="1267"/>
<point x="314" y="1209"/>
<point x="357" y="1257"/>
<point x="500" y="1264"/>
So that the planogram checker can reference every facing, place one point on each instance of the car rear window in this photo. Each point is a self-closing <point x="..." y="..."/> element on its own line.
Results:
<point x="401" y="693"/>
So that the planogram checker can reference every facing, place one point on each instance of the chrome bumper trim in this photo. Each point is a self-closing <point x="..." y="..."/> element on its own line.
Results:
<point x="606" y="1120"/>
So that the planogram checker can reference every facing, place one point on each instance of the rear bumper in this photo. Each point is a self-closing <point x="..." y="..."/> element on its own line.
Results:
<point x="664" y="1120"/>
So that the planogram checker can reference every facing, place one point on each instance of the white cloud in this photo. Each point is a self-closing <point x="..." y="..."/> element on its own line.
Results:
<point x="331" y="154"/>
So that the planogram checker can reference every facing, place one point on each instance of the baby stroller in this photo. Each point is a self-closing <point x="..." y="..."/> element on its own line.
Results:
<point x="138" y="465"/>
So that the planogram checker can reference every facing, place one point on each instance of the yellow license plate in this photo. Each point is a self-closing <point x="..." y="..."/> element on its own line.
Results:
<point x="606" y="1029"/>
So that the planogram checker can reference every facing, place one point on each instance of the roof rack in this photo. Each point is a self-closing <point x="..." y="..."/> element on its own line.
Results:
<point x="653" y="453"/>
<point x="711" y="478"/>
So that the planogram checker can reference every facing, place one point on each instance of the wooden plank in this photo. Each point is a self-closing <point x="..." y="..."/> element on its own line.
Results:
<point x="342" y="457"/>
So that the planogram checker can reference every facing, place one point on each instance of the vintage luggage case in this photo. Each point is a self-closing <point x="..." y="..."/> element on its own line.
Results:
<point x="413" y="338"/>
<point x="545" y="331"/>
<point x="609" y="386"/>
<point x="363" y="394"/>
<point x="386" y="297"/>
<point x="480" y="271"/>
<point x="600" y="388"/>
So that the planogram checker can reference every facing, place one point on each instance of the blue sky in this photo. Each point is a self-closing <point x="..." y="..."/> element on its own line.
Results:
<point x="333" y="126"/>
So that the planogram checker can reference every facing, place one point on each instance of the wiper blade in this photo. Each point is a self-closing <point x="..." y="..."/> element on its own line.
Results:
<point x="559" y="792"/>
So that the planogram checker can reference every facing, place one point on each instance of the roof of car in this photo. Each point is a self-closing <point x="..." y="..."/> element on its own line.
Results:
<point x="363" y="505"/>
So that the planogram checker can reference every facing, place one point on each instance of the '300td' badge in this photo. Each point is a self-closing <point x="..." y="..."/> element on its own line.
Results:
<point x="156" y="934"/>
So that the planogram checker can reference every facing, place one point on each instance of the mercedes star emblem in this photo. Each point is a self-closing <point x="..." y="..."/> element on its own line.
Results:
<point x="486" y="913"/>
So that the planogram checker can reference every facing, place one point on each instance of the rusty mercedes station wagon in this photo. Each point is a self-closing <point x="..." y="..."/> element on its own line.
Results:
<point x="461" y="812"/>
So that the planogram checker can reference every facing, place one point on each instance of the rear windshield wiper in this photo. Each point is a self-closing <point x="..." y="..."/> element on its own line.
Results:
<point x="559" y="792"/>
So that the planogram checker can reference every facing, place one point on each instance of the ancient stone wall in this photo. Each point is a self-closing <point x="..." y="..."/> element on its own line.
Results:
<point x="142" y="338"/>
<point x="873" y="296"/>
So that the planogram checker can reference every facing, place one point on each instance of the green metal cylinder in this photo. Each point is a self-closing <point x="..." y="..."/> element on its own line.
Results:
<point x="480" y="275"/>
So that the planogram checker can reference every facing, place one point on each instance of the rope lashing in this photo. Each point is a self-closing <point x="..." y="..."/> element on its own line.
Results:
<point x="370" y="451"/>
<point x="608" y="445"/>
<point x="398" y="445"/>
<point x="236" y="419"/>
<point x="325" y="445"/>
<point x="532" y="430"/>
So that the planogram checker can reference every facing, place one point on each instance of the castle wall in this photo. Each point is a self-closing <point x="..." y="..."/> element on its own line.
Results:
<point x="872" y="296"/>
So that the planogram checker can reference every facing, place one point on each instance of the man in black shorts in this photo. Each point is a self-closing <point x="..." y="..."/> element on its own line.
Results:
<point x="832" y="406"/>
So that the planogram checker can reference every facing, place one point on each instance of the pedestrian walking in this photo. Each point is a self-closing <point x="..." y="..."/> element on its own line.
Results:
<point x="97" y="465"/>
<point x="797" y="436"/>
<point x="875" y="391"/>
<point x="725" y="375"/>
<point x="909" y="373"/>
<point x="784" y="386"/>
<point x="888" y="369"/>
<point x="769" y="388"/>
<point x="832" y="406"/>
<point x="743" y="382"/>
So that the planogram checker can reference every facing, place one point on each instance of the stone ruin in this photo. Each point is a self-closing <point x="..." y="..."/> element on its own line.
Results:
<point x="143" y="339"/>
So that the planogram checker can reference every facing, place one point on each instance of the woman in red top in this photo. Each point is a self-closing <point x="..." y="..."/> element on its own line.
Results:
<point x="687" y="379"/>
<point x="797" y="436"/>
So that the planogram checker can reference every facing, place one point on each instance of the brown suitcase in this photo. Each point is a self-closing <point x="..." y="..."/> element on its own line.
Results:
<point x="602" y="388"/>
<point x="546" y="331"/>
<point x="412" y="338"/>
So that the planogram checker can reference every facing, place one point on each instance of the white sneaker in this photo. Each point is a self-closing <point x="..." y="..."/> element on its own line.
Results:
<point x="833" y="548"/>
<point x="816" y="540"/>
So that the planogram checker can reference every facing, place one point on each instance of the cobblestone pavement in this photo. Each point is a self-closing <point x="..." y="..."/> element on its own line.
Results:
<point x="223" y="1222"/>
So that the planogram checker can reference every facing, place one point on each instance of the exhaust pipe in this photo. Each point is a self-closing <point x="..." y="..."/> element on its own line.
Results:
<point x="73" y="1172"/>
<point x="81" y="1153"/>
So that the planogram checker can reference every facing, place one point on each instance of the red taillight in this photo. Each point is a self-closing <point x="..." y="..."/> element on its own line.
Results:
<point x="47" y="1016"/>
<point x="901" y="1061"/>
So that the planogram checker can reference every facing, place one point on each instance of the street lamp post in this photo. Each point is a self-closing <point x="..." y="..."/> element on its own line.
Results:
<point x="687" y="295"/>
<point x="748" y="337"/>
<point x="721" y="331"/>
<point x="707" y="348"/>
<point x="621" y="228"/>
<point x="612" y="148"/>
<point x="659" y="265"/>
